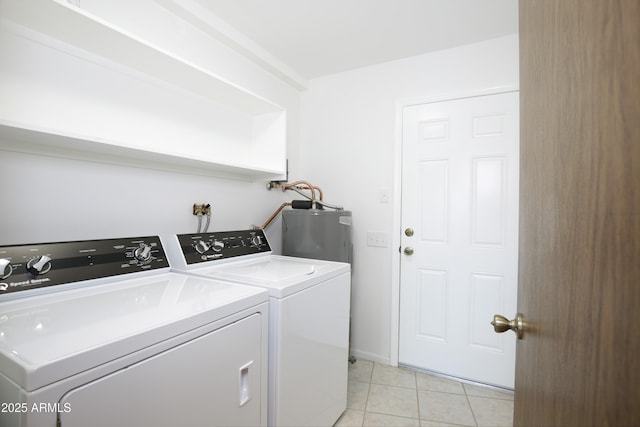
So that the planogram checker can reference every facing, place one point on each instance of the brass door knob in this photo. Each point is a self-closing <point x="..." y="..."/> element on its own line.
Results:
<point x="408" y="232"/>
<point x="408" y="250"/>
<point x="502" y="324"/>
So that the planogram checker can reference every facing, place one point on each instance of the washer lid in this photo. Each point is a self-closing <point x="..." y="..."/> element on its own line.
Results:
<point x="49" y="337"/>
<point x="280" y="275"/>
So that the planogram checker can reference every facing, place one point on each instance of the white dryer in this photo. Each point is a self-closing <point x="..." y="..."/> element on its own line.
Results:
<point x="309" y="304"/>
<point x="102" y="334"/>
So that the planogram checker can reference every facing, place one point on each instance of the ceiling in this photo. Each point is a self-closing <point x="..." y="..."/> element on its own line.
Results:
<point x="314" y="38"/>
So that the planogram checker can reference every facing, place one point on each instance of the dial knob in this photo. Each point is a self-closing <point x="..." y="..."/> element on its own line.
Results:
<point x="256" y="240"/>
<point x="217" y="245"/>
<point x="143" y="253"/>
<point x="201" y="246"/>
<point x="39" y="265"/>
<point x="5" y="269"/>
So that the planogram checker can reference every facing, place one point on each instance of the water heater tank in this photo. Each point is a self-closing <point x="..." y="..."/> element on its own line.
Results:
<point x="317" y="234"/>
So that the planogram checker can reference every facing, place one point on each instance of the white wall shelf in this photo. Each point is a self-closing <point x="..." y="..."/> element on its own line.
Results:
<point x="24" y="139"/>
<point x="80" y="85"/>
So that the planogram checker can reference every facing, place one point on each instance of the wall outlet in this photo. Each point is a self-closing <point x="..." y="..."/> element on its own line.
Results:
<point x="377" y="239"/>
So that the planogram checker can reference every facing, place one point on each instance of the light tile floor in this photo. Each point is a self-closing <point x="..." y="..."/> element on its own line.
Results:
<point x="381" y="395"/>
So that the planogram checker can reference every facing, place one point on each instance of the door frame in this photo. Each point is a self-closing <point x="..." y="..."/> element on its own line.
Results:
<point x="394" y="339"/>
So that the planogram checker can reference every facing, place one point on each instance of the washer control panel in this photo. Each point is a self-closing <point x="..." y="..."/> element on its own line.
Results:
<point x="202" y="247"/>
<point x="24" y="267"/>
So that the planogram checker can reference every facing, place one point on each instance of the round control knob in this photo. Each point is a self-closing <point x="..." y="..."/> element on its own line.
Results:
<point x="5" y="269"/>
<point x="39" y="265"/>
<point x="143" y="253"/>
<point x="256" y="241"/>
<point x="217" y="245"/>
<point x="201" y="246"/>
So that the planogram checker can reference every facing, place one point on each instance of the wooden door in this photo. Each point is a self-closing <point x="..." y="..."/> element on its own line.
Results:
<point x="579" y="261"/>
<point x="460" y="198"/>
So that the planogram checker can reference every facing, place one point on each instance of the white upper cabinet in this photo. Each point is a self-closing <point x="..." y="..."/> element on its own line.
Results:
<point x="130" y="82"/>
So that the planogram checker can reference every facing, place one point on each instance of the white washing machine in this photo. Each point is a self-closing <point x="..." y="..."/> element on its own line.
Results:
<point x="309" y="319"/>
<point x="102" y="334"/>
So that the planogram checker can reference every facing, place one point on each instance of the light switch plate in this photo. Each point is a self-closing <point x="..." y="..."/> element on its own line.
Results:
<point x="384" y="195"/>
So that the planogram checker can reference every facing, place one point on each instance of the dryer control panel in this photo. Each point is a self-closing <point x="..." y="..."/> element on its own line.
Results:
<point x="25" y="267"/>
<point x="203" y="247"/>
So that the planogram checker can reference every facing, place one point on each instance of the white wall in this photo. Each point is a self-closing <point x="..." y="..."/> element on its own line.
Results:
<point x="348" y="136"/>
<point x="57" y="199"/>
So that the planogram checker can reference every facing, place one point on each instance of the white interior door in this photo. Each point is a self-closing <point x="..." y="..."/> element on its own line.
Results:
<point x="460" y="197"/>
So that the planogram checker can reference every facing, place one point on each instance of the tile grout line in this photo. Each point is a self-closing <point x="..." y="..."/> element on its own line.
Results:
<point x="415" y="381"/>
<point x="473" y="414"/>
<point x="366" y="402"/>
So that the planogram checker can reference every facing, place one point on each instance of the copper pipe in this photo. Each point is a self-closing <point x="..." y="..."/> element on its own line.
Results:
<point x="274" y="215"/>
<point x="309" y="187"/>
<point x="299" y="185"/>
<point x="320" y="195"/>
